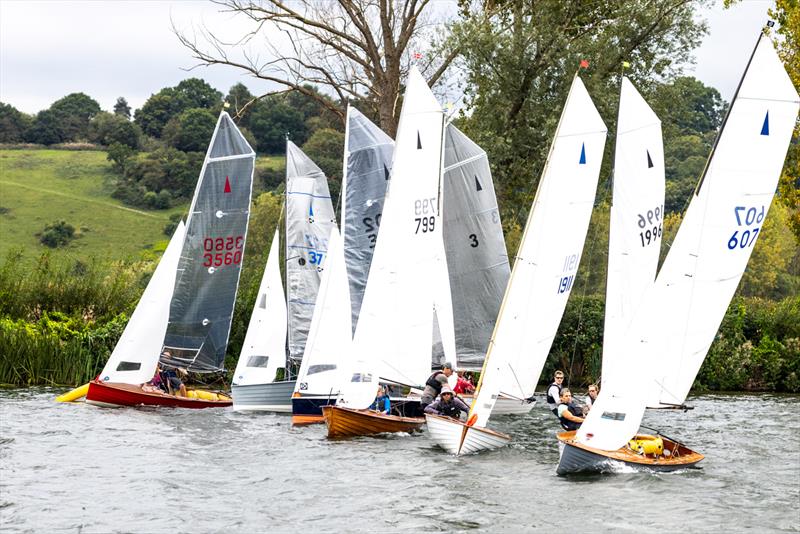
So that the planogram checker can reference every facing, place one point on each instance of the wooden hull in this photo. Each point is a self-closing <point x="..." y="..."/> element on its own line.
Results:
<point x="117" y="394"/>
<point x="457" y="438"/>
<point x="269" y="397"/>
<point x="347" y="422"/>
<point x="307" y="409"/>
<point x="579" y="458"/>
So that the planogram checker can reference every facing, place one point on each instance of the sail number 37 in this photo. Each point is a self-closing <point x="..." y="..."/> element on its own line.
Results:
<point x="749" y="216"/>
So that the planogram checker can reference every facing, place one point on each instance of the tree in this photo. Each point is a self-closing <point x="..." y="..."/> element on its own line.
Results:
<point x="325" y="148"/>
<point x="74" y="112"/>
<point x="520" y="60"/>
<point x="191" y="130"/>
<point x="13" y="124"/>
<point x="122" y="108"/>
<point x="239" y="96"/>
<point x="57" y="234"/>
<point x="354" y="49"/>
<point x="271" y="120"/>
<point x="107" y="129"/>
<point x="46" y="129"/>
<point x="120" y="154"/>
<point x="172" y="101"/>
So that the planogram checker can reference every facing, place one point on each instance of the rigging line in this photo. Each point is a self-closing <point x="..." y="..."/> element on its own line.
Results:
<point x="605" y="192"/>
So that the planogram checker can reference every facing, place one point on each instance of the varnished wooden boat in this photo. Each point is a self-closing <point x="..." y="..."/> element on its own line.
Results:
<point x="579" y="458"/>
<point x="347" y="422"/>
<point x="456" y="437"/>
<point x="118" y="394"/>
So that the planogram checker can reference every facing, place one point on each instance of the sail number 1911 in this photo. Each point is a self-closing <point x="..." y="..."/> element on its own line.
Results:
<point x="569" y="271"/>
<point x="746" y="217"/>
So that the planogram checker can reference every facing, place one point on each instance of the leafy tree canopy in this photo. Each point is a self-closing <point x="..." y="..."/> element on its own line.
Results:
<point x="172" y="101"/>
<point x="190" y="131"/>
<point x="122" y="108"/>
<point x="13" y="124"/>
<point x="109" y="128"/>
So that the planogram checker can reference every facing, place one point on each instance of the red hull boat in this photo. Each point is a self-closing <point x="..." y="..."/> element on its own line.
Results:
<point x="118" y="394"/>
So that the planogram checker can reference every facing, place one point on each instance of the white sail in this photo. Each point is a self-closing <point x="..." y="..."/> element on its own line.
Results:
<point x="136" y="354"/>
<point x="547" y="261"/>
<point x="635" y="237"/>
<point x="309" y="219"/>
<point x="679" y="316"/>
<point x="395" y="327"/>
<point x="264" y="347"/>
<point x="366" y="170"/>
<point x="720" y="228"/>
<point x="637" y="213"/>
<point x="330" y="335"/>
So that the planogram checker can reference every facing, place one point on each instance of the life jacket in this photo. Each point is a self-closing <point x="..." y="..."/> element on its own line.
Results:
<point x="435" y="384"/>
<point x="450" y="409"/>
<point x="575" y="410"/>
<point x="550" y="399"/>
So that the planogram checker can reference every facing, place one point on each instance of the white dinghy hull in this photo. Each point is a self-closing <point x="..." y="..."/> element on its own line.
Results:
<point x="457" y="438"/>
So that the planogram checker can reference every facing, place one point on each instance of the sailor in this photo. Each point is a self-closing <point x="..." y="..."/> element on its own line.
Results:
<point x="447" y="404"/>
<point x="569" y="413"/>
<point x="592" y="395"/>
<point x="169" y="378"/>
<point x="433" y="386"/>
<point x="381" y="403"/>
<point x="554" y="392"/>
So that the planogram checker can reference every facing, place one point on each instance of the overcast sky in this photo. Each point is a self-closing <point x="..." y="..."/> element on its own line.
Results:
<point x="49" y="49"/>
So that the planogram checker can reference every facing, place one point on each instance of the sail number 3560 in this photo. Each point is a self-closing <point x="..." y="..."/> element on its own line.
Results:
<point x="747" y="217"/>
<point x="219" y="251"/>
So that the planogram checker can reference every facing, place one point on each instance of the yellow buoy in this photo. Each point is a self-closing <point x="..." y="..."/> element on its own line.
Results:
<point x="73" y="395"/>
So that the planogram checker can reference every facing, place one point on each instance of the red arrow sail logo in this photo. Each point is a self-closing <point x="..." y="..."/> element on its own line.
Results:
<point x="227" y="185"/>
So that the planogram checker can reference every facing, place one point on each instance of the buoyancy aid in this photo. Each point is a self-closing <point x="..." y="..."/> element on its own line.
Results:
<point x="435" y="384"/>
<point x="550" y="399"/>
<point x="575" y="410"/>
<point x="449" y="409"/>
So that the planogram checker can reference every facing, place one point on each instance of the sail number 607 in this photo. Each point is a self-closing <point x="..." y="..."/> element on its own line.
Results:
<point x="749" y="216"/>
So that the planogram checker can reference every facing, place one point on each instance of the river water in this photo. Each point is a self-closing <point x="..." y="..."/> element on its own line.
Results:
<point x="79" y="468"/>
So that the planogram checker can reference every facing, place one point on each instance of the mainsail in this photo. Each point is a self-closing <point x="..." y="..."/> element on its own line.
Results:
<point x="264" y="347"/>
<point x="679" y="317"/>
<point x="211" y="259"/>
<point x="135" y="355"/>
<point x="475" y="249"/>
<point x="367" y="167"/>
<point x="547" y="261"/>
<point x="309" y="220"/>
<point x="395" y="327"/>
<point x="324" y="361"/>
<point x="637" y="214"/>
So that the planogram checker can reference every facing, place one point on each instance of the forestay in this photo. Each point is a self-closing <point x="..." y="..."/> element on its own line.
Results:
<point x="211" y="259"/>
<point x="324" y="361"/>
<point x="720" y="228"/>
<point x="135" y="356"/>
<point x="547" y="261"/>
<point x="309" y="220"/>
<point x="394" y="327"/>
<point x="477" y="261"/>
<point x="635" y="236"/>
<point x="366" y="170"/>
<point x="264" y="347"/>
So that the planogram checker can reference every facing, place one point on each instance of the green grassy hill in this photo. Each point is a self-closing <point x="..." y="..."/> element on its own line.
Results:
<point x="39" y="187"/>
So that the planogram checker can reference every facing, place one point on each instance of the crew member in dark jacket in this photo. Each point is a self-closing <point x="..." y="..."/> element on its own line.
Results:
<point x="433" y="386"/>
<point x="569" y="413"/>
<point x="447" y="405"/>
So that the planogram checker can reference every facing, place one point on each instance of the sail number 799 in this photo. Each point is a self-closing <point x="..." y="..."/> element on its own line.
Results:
<point x="750" y="216"/>
<point x="425" y="209"/>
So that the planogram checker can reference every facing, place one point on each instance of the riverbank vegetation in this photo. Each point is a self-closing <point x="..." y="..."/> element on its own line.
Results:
<point x="121" y="180"/>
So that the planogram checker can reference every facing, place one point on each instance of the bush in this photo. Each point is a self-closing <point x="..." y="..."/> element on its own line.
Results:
<point x="57" y="234"/>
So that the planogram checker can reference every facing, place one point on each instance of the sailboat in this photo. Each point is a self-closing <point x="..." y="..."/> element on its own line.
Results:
<point x="264" y="347"/>
<point x="541" y="279"/>
<point x="392" y="341"/>
<point x="309" y="219"/>
<point x="188" y="305"/>
<point x="366" y="170"/>
<point x="678" y="317"/>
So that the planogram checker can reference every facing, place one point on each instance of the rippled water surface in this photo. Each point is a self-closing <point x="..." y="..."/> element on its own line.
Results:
<point x="79" y="468"/>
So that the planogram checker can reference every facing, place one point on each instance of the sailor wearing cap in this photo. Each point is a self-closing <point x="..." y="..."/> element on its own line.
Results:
<point x="447" y="404"/>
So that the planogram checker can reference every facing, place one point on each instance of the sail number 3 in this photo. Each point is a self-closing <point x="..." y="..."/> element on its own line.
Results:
<point x="748" y="216"/>
<point x="221" y="251"/>
<point x="423" y="207"/>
